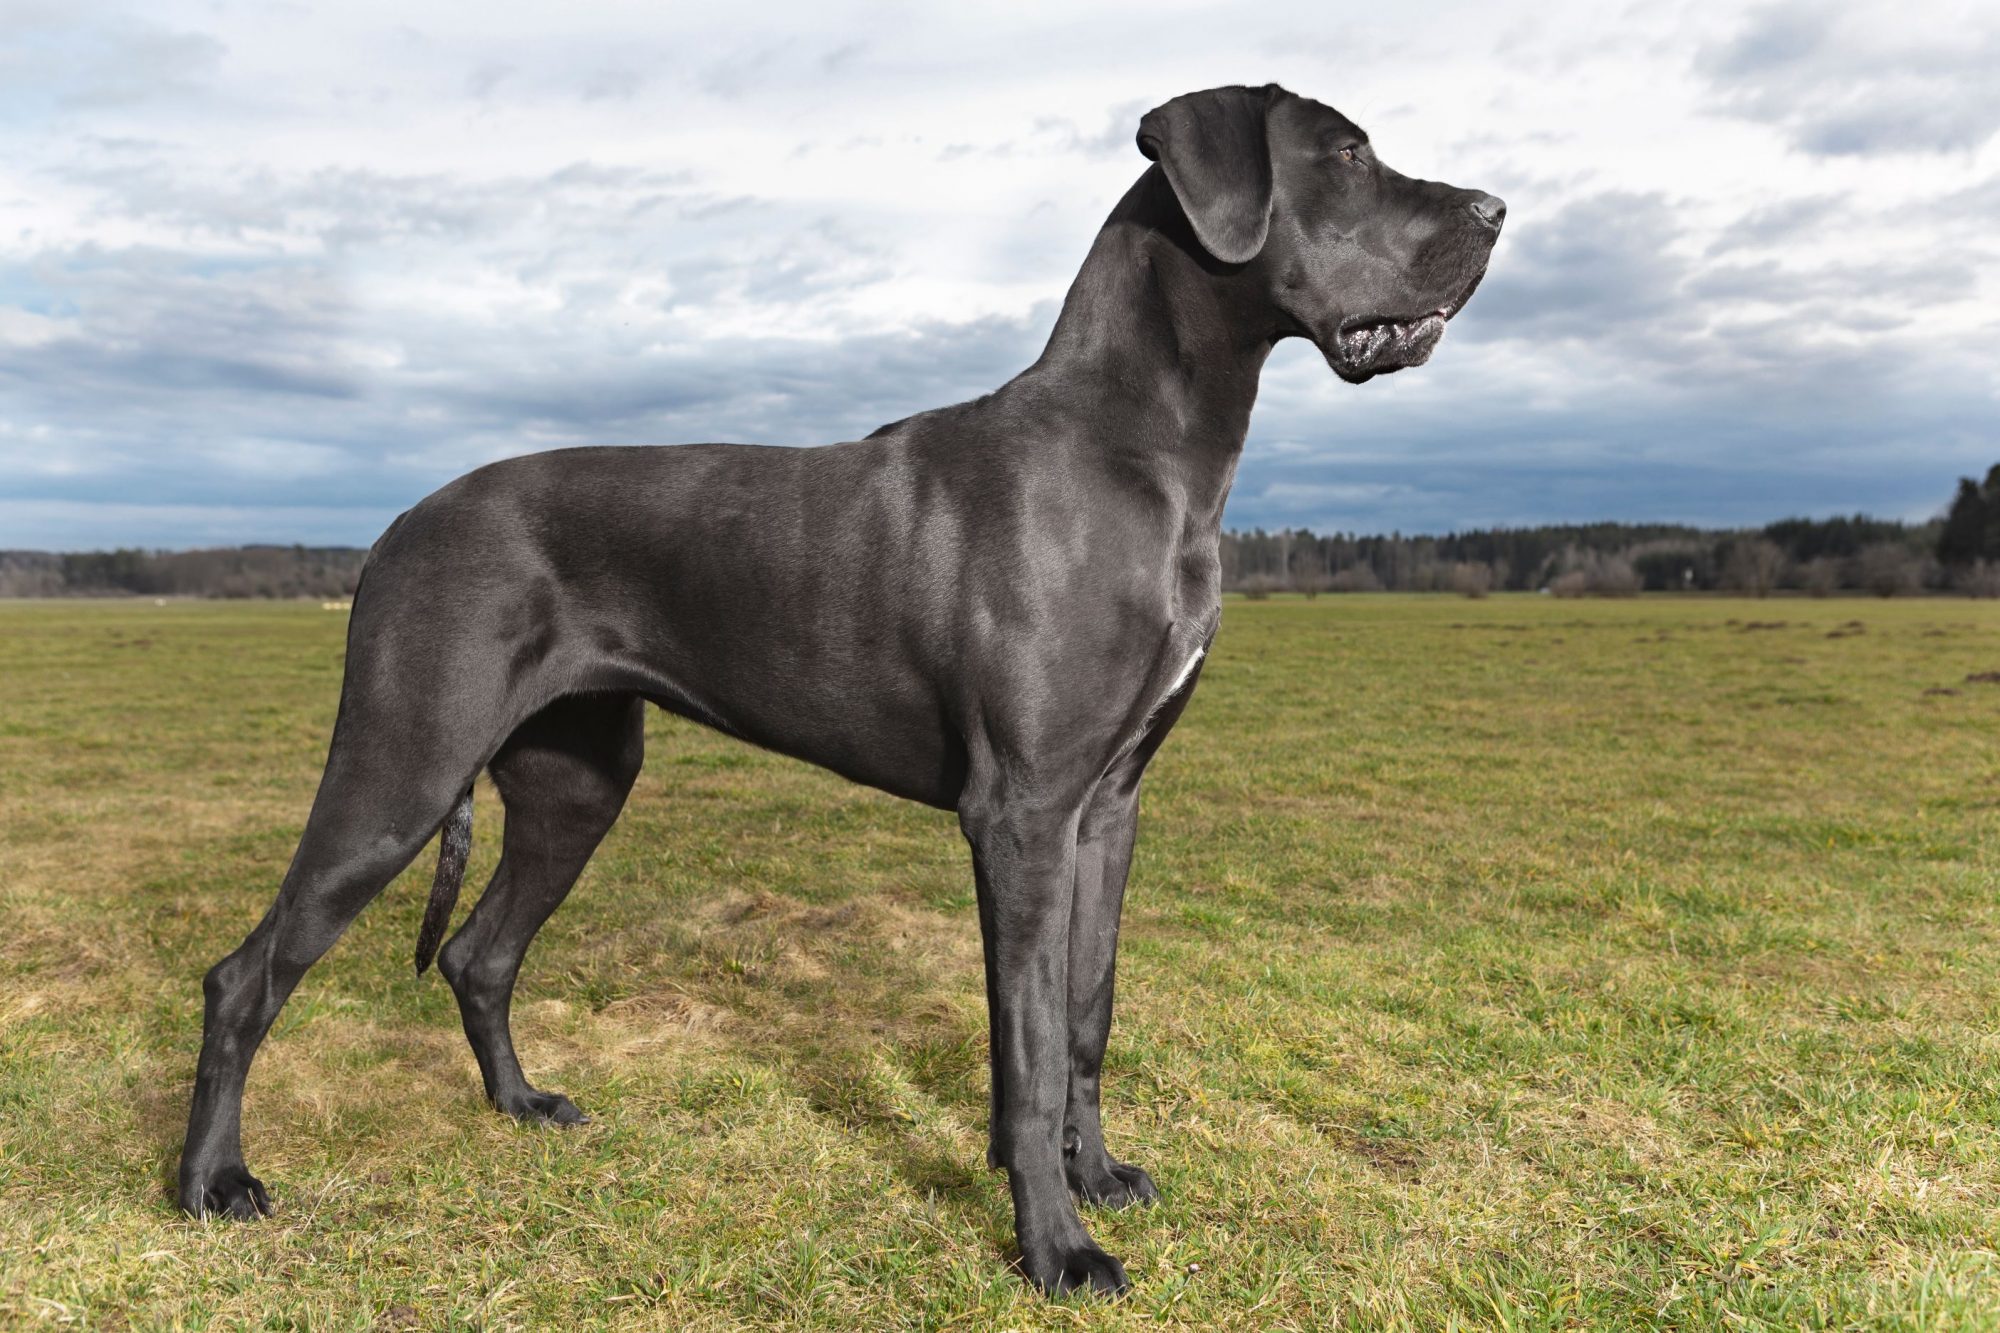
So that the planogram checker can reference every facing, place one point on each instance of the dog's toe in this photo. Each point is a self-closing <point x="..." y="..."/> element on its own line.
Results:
<point x="1114" y="1185"/>
<point x="544" y="1108"/>
<point x="1078" y="1268"/>
<point x="230" y="1191"/>
<point x="1139" y="1187"/>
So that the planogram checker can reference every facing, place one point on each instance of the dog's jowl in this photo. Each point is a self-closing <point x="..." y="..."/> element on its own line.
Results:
<point x="998" y="608"/>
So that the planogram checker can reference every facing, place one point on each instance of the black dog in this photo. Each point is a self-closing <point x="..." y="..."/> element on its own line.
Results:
<point x="998" y="608"/>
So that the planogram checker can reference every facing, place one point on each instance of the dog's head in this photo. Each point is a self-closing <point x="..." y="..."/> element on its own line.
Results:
<point x="1365" y="261"/>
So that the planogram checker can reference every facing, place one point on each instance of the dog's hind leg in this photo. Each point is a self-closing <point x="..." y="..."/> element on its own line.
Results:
<point x="563" y="775"/>
<point x="389" y="783"/>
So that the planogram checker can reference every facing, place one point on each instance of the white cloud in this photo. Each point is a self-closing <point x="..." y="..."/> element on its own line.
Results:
<point x="273" y="264"/>
<point x="1863" y="80"/>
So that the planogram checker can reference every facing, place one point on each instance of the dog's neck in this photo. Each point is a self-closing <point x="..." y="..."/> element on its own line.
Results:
<point x="1176" y="339"/>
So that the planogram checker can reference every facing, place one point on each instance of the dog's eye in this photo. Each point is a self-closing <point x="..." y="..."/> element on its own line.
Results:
<point x="1348" y="155"/>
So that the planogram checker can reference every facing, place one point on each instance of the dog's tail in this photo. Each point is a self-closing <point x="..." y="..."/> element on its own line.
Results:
<point x="453" y="847"/>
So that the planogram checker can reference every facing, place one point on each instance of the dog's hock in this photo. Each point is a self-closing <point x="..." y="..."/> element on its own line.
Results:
<point x="1212" y="146"/>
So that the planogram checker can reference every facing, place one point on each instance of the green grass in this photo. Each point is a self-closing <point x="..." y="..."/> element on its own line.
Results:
<point x="1517" y="963"/>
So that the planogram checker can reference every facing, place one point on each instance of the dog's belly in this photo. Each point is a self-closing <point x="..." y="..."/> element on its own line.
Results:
<point x="890" y="737"/>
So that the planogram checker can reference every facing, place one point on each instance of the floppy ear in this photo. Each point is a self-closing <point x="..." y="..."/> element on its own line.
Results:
<point x="1212" y="146"/>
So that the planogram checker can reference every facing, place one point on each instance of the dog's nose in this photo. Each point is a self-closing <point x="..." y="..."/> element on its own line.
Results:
<point x="1490" y="210"/>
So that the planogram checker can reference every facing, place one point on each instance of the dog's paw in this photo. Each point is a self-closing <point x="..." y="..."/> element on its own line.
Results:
<point x="1111" y="1184"/>
<point x="1061" y="1270"/>
<point x="229" y="1191"/>
<point x="542" y="1108"/>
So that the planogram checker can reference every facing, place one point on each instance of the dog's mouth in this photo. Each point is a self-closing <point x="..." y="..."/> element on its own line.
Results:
<point x="1367" y="347"/>
<point x="1371" y="345"/>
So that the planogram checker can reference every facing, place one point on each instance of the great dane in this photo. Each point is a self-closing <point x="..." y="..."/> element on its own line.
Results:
<point x="997" y="608"/>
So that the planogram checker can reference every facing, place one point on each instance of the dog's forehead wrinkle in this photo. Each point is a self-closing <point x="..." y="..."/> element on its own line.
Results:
<point x="1332" y="138"/>
<point x="1328" y="127"/>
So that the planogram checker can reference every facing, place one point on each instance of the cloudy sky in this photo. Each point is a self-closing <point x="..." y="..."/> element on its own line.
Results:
<point x="271" y="271"/>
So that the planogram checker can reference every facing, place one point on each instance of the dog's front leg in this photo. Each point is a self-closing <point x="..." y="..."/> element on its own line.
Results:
<point x="1024" y="859"/>
<point x="1104" y="841"/>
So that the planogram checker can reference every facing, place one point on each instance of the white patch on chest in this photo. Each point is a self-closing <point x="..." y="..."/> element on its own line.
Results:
<point x="1182" y="679"/>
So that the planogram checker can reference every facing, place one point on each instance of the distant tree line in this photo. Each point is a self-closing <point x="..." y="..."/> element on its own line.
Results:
<point x="239" y="571"/>
<point x="1817" y="556"/>
<point x="1960" y="552"/>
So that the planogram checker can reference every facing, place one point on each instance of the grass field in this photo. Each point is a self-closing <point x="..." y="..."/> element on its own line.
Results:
<point x="1515" y="963"/>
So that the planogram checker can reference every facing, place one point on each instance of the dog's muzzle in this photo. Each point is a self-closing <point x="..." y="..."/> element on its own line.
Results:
<point x="1365" y="348"/>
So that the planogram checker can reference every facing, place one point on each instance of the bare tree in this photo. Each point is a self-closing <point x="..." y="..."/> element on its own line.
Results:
<point x="1575" y="583"/>
<point x="1889" y="570"/>
<point x="1311" y="578"/>
<point x="1258" y="587"/>
<point x="1471" y="578"/>
<point x="1754" y="566"/>
<point x="1613" y="576"/>
<point x="1980" y="579"/>
<point x="1580" y="570"/>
